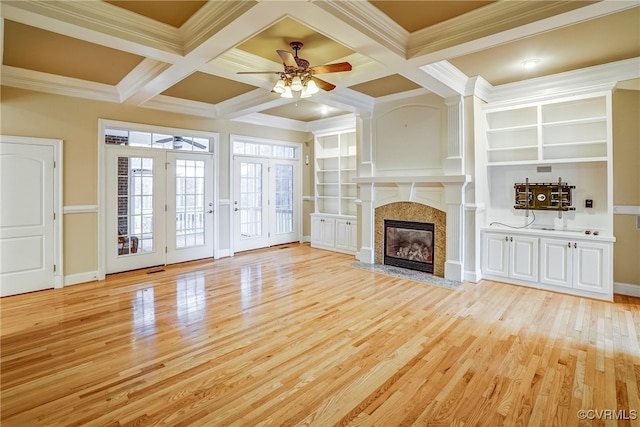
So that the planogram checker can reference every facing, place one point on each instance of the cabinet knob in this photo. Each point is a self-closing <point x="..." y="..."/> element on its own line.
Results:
<point x="511" y="239"/>
<point x="506" y="238"/>
<point x="569" y="244"/>
<point x="575" y="245"/>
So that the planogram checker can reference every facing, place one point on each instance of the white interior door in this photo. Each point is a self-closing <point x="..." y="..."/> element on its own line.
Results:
<point x="265" y="207"/>
<point x="26" y="218"/>
<point x="135" y="209"/>
<point x="189" y="206"/>
<point x="250" y="203"/>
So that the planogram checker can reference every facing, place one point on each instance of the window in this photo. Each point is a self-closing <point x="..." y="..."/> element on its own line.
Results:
<point x="156" y="140"/>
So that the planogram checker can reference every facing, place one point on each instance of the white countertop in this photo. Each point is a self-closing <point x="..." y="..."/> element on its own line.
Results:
<point x="549" y="231"/>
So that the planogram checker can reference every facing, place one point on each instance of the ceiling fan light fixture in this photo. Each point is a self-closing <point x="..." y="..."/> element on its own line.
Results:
<point x="296" y="83"/>
<point x="304" y="93"/>
<point x="287" y="92"/>
<point x="279" y="87"/>
<point x="312" y="87"/>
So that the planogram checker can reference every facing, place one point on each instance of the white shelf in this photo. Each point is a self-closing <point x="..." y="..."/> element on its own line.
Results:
<point x="570" y="130"/>
<point x="335" y="161"/>
<point x="524" y="147"/>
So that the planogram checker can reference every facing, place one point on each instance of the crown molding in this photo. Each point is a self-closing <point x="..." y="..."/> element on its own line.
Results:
<point x="589" y="78"/>
<point x="273" y="122"/>
<point x="184" y="106"/>
<point x="210" y="19"/>
<point x="485" y="27"/>
<point x="59" y="85"/>
<point x="344" y="123"/>
<point x="475" y="24"/>
<point x="136" y="79"/>
<point x="445" y="73"/>
<point x="100" y="23"/>
<point x="371" y="21"/>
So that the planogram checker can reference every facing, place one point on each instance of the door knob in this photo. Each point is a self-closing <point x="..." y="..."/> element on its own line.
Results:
<point x="210" y="211"/>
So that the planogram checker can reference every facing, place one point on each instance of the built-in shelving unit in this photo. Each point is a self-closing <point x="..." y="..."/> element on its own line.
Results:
<point x="573" y="130"/>
<point x="544" y="139"/>
<point x="333" y="225"/>
<point x="335" y="170"/>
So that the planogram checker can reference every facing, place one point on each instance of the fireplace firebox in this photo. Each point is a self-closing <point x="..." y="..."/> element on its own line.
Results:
<point x="409" y="244"/>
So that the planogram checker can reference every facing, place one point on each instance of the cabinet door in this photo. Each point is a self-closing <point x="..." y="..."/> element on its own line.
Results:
<point x="524" y="258"/>
<point x="555" y="263"/>
<point x="591" y="267"/>
<point x="329" y="232"/>
<point x="346" y="235"/>
<point x="322" y="232"/>
<point x="495" y="255"/>
<point x="353" y="236"/>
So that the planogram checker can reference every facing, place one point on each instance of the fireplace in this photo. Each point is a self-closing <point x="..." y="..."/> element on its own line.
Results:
<point x="409" y="244"/>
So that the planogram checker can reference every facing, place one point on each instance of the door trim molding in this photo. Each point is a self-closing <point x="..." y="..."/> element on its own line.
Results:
<point x="58" y="236"/>
<point x="103" y="124"/>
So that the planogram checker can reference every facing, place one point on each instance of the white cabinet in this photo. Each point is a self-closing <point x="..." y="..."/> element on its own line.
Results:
<point x="322" y="231"/>
<point x="577" y="264"/>
<point x="510" y="256"/>
<point x="335" y="233"/>
<point x="346" y="235"/>
<point x="570" y="263"/>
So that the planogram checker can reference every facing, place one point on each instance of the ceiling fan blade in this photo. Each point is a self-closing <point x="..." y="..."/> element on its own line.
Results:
<point x="259" y="72"/>
<point x="164" y="141"/>
<point x="287" y="58"/>
<point x="331" y="68"/>
<point x="323" y="85"/>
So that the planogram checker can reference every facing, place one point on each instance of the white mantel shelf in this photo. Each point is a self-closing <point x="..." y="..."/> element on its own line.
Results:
<point x="435" y="179"/>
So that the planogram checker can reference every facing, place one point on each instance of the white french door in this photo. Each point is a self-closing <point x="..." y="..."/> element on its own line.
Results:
<point x="159" y="207"/>
<point x="265" y="207"/>
<point x="189" y="206"/>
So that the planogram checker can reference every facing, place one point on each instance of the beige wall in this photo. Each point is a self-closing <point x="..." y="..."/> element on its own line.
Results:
<point x="626" y="184"/>
<point x="75" y="121"/>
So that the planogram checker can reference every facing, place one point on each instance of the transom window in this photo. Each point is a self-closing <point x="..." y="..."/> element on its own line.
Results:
<point x="155" y="140"/>
<point x="251" y="148"/>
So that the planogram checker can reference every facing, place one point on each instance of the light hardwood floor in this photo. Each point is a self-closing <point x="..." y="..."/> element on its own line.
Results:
<point x="296" y="336"/>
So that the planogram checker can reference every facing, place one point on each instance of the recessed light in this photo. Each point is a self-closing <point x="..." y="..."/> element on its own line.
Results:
<point x="530" y="63"/>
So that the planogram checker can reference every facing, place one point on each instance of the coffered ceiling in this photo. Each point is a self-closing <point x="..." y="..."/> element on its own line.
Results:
<point x="184" y="56"/>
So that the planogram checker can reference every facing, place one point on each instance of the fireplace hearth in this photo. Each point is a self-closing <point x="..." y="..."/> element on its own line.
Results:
<point x="409" y="244"/>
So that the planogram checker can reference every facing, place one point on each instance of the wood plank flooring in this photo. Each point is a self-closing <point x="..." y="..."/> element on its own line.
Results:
<point x="295" y="336"/>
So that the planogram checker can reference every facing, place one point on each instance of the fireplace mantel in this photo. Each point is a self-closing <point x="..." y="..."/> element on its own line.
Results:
<point x="443" y="192"/>
<point x="429" y="179"/>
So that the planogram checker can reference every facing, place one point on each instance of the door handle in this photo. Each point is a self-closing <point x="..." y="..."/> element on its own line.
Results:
<point x="236" y="209"/>
<point x="210" y="211"/>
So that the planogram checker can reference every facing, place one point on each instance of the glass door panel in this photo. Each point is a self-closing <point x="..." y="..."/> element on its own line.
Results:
<point x="250" y="204"/>
<point x="189" y="206"/>
<point x="135" y="202"/>
<point x="283" y="185"/>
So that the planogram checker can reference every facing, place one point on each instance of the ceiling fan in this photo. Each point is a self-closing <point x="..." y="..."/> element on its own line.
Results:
<point x="178" y="140"/>
<point x="299" y="76"/>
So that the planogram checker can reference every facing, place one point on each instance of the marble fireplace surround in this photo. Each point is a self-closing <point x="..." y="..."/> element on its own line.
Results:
<point x="437" y="199"/>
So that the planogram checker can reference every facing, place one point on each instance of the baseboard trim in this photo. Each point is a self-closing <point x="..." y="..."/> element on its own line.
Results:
<point x="472" y="276"/>
<point x="627" y="289"/>
<point x="74" y="279"/>
<point x="223" y="253"/>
